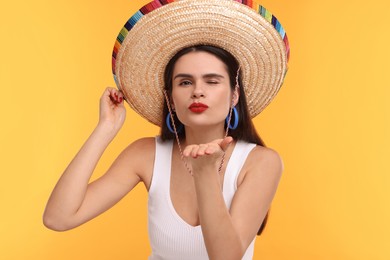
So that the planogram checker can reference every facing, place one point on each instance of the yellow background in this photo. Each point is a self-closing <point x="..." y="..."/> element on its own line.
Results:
<point x="330" y="122"/>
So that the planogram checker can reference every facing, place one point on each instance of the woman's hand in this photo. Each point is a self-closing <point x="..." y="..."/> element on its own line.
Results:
<point x="112" y="110"/>
<point x="205" y="157"/>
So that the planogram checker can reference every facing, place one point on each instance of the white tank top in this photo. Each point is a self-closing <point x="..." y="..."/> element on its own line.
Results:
<point x="170" y="236"/>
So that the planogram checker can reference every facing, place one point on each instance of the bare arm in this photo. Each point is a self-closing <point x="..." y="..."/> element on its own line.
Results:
<point x="75" y="201"/>
<point x="227" y="234"/>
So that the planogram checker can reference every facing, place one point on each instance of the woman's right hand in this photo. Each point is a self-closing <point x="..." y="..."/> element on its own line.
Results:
<point x="112" y="110"/>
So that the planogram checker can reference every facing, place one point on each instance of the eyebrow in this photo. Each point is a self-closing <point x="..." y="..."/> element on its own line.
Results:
<point x="210" y="75"/>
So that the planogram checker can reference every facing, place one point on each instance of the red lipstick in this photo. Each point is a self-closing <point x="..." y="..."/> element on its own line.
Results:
<point x="198" y="107"/>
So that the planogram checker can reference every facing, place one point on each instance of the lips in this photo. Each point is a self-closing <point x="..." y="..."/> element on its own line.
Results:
<point x="198" y="107"/>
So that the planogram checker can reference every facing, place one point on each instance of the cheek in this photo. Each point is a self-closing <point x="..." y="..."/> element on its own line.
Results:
<point x="177" y="99"/>
<point x="224" y="101"/>
<point x="229" y="99"/>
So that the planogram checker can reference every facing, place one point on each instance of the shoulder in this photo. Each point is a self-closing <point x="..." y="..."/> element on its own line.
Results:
<point x="266" y="157"/>
<point x="139" y="156"/>
<point x="146" y="144"/>
<point x="262" y="162"/>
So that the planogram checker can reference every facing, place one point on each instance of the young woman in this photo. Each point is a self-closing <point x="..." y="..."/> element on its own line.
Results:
<point x="209" y="177"/>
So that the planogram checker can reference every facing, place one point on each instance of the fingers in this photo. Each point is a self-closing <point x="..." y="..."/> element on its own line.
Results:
<point x="199" y="150"/>
<point x="212" y="149"/>
<point x="215" y="147"/>
<point x="114" y="95"/>
<point x="196" y="150"/>
<point x="189" y="150"/>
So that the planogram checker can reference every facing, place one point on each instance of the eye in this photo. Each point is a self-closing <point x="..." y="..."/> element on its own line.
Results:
<point x="212" y="82"/>
<point x="185" y="83"/>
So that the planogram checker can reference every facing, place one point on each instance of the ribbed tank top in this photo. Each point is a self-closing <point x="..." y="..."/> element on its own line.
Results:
<point x="170" y="236"/>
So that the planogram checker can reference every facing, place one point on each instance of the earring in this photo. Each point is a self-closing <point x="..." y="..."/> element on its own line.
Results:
<point x="170" y="128"/>
<point x="233" y="117"/>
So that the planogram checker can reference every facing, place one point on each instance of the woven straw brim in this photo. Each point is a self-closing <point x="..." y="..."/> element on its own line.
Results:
<point x="236" y="28"/>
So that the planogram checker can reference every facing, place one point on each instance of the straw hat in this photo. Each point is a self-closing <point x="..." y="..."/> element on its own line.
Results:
<point x="154" y="34"/>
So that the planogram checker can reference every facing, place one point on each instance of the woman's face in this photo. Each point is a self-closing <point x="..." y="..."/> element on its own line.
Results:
<point x="201" y="90"/>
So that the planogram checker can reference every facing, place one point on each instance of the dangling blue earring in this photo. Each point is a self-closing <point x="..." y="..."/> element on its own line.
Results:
<point x="234" y="118"/>
<point x="170" y="128"/>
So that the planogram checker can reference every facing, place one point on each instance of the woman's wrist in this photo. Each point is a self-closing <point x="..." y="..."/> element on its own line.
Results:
<point x="107" y="130"/>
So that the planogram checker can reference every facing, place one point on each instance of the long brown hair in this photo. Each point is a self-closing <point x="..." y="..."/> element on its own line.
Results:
<point x="245" y="130"/>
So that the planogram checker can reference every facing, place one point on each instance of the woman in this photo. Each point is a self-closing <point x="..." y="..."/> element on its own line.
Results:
<point x="209" y="192"/>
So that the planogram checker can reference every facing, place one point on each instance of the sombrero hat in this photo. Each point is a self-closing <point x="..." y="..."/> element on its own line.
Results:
<point x="154" y="34"/>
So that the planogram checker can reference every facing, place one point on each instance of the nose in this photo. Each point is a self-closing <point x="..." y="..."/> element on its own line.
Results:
<point x="198" y="91"/>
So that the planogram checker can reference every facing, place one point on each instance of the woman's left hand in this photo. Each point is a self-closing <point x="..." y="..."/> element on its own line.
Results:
<point x="204" y="157"/>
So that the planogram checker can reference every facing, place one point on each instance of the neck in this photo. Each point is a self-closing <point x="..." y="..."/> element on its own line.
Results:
<point x="203" y="135"/>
